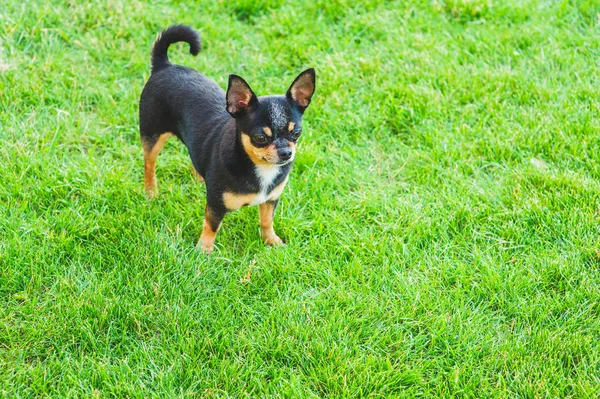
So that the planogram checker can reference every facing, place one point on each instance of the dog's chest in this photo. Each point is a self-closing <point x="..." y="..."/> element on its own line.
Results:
<point x="266" y="176"/>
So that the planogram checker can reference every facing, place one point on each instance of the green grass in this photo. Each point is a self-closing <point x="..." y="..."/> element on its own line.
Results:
<point x="442" y="217"/>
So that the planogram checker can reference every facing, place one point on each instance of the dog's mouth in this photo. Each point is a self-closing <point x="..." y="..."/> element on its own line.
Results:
<point x="278" y="162"/>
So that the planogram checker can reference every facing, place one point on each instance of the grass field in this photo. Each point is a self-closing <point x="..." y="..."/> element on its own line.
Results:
<point x="442" y="217"/>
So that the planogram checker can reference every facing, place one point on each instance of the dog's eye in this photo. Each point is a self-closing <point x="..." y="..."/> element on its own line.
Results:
<point x="260" y="139"/>
<point x="296" y="133"/>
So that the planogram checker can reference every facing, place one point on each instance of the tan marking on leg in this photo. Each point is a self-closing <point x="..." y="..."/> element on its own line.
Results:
<point x="291" y="126"/>
<point x="235" y="201"/>
<point x="207" y="238"/>
<point x="150" y="155"/>
<point x="268" y="131"/>
<point x="198" y="176"/>
<point x="276" y="192"/>
<point x="266" y="214"/>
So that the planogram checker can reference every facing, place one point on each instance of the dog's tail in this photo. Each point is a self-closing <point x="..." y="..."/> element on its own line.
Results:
<point x="173" y="34"/>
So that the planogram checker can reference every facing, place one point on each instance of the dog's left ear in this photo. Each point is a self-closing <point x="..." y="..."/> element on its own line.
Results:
<point x="301" y="91"/>
<point x="240" y="97"/>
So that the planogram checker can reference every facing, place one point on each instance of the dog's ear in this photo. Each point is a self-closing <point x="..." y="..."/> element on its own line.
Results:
<point x="240" y="97"/>
<point x="301" y="91"/>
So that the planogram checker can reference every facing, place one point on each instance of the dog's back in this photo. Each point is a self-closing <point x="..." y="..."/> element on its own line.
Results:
<point x="172" y="91"/>
<point x="177" y="101"/>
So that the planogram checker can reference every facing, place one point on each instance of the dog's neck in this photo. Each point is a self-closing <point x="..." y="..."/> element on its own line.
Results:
<point x="232" y="151"/>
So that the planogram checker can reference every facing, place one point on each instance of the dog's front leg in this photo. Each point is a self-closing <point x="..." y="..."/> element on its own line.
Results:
<point x="266" y="214"/>
<point x="212" y="222"/>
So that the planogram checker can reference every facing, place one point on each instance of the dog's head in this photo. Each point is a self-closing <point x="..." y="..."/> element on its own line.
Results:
<point x="270" y="125"/>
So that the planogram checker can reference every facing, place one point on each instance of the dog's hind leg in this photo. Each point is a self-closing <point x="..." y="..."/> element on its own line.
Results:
<point x="152" y="147"/>
<point x="198" y="175"/>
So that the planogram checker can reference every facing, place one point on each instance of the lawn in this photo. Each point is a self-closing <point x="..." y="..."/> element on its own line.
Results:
<point x="442" y="218"/>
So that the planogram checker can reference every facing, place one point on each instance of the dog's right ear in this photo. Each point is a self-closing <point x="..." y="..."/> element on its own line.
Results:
<point x="240" y="97"/>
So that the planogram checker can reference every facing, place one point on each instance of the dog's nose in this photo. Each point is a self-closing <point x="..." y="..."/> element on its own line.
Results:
<point x="284" y="153"/>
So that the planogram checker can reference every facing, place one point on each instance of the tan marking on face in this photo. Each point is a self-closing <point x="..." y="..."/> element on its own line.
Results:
<point x="266" y="213"/>
<point x="268" y="131"/>
<point x="235" y="201"/>
<point x="291" y="126"/>
<point x="259" y="156"/>
<point x="276" y="192"/>
<point x="150" y="154"/>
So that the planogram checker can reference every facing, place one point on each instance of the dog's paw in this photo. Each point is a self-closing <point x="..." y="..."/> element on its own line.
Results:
<point x="205" y="248"/>
<point x="151" y="194"/>
<point x="273" y="240"/>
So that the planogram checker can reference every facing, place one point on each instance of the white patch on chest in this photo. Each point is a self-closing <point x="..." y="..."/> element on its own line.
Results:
<point x="266" y="175"/>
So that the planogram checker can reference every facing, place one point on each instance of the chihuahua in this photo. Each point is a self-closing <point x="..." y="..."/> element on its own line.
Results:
<point x="242" y="146"/>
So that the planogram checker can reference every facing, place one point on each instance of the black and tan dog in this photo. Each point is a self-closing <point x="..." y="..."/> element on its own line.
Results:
<point x="241" y="145"/>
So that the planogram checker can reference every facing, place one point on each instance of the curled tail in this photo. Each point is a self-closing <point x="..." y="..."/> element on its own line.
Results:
<point x="173" y="34"/>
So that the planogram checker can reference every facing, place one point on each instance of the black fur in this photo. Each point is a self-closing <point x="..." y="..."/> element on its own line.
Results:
<point x="173" y="34"/>
<point x="181" y="101"/>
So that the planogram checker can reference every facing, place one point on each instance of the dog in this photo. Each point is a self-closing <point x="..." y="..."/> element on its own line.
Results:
<point x="242" y="146"/>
